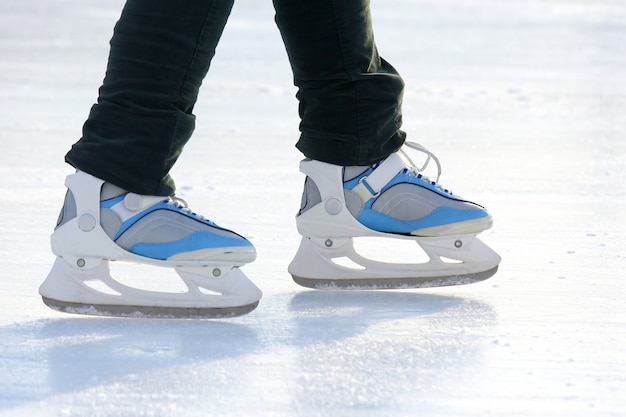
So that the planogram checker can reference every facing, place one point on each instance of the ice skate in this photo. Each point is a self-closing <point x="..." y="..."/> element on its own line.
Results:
<point x="389" y="199"/>
<point x="100" y="223"/>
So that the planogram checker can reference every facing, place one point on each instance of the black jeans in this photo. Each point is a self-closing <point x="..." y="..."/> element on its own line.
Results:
<point x="349" y="97"/>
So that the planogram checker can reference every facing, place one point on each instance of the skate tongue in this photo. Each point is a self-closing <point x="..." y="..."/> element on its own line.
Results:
<point x="135" y="202"/>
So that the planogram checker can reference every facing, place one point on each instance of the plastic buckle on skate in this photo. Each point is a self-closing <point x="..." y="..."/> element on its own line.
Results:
<point x="364" y="190"/>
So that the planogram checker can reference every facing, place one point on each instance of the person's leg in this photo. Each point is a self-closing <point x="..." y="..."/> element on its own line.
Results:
<point x="160" y="53"/>
<point x="117" y="206"/>
<point x="349" y="97"/>
<point x="358" y="182"/>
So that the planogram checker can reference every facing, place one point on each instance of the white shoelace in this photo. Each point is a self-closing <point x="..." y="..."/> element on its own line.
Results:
<point x="418" y="171"/>
<point x="180" y="203"/>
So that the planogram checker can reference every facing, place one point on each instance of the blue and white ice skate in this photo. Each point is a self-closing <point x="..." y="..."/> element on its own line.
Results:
<point x="101" y="223"/>
<point x="392" y="199"/>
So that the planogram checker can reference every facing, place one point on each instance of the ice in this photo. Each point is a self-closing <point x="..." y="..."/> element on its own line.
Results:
<point x="524" y="102"/>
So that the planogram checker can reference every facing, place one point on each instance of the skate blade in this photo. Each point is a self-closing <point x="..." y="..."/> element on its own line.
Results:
<point x="227" y="294"/>
<point x="393" y="283"/>
<point x="160" y="312"/>
<point x="451" y="260"/>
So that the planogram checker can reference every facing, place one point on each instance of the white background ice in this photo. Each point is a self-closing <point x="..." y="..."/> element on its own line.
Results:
<point x="524" y="101"/>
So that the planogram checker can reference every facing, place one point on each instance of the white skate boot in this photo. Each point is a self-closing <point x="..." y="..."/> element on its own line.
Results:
<point x="101" y="223"/>
<point x="388" y="199"/>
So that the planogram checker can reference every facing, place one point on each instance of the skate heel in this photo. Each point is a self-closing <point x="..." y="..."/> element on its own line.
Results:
<point x="330" y="217"/>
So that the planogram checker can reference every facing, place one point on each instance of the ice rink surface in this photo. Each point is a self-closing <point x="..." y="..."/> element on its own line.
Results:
<point x="524" y="102"/>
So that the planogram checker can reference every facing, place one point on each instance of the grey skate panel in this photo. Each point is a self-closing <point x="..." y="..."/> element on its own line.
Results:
<point x="393" y="283"/>
<point x="110" y="222"/>
<point x="351" y="172"/>
<point x="163" y="226"/>
<point x="148" y="312"/>
<point x="408" y="202"/>
<point x="68" y="211"/>
<point x="109" y="191"/>
<point x="310" y="196"/>
<point x="354" y="204"/>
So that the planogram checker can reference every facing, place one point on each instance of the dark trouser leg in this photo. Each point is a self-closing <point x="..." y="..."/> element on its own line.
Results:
<point x="350" y="98"/>
<point x="160" y="53"/>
